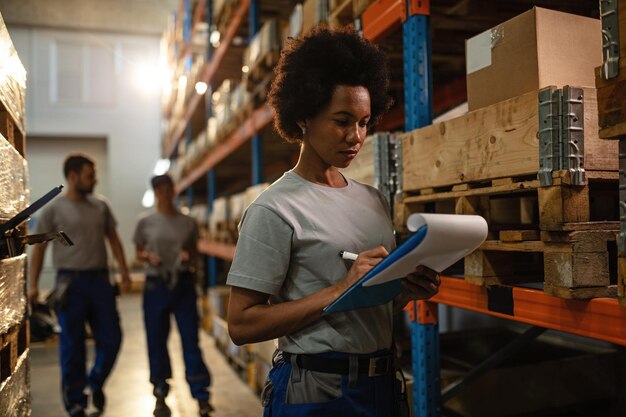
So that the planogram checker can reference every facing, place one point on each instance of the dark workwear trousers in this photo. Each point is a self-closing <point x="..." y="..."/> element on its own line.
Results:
<point x="90" y="298"/>
<point x="292" y="391"/>
<point x="159" y="303"/>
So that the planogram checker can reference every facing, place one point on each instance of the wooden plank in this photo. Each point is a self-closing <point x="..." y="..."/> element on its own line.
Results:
<point x="621" y="278"/>
<point x="500" y="189"/>
<point x="576" y="270"/>
<point x="492" y="142"/>
<point x="563" y="204"/>
<point x="611" y="103"/>
<point x="526" y="246"/>
<point x="519" y="235"/>
<point x="582" y="241"/>
<point x="581" y="293"/>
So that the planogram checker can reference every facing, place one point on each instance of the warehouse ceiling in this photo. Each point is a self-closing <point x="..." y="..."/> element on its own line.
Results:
<point x="148" y="17"/>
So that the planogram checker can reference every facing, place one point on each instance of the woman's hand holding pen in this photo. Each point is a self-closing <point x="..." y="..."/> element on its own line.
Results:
<point x="364" y="262"/>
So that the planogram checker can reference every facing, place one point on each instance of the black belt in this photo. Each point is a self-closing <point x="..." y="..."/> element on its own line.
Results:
<point x="79" y="273"/>
<point x="375" y="366"/>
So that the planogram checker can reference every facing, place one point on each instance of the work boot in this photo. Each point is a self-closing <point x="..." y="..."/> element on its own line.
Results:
<point x="98" y="399"/>
<point x="76" y="410"/>
<point x="161" y="409"/>
<point x="205" y="407"/>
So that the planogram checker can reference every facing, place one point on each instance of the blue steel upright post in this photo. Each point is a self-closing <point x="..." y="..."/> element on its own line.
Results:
<point x="188" y="64"/>
<point x="418" y="113"/>
<point x="257" y="140"/>
<point x="211" y="262"/>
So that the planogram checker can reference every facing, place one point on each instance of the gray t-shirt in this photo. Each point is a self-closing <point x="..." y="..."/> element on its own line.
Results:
<point x="288" y="247"/>
<point x="87" y="222"/>
<point x="166" y="235"/>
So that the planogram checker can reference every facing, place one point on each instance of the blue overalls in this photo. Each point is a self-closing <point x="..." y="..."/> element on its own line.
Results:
<point x="352" y="394"/>
<point x="158" y="303"/>
<point x="90" y="298"/>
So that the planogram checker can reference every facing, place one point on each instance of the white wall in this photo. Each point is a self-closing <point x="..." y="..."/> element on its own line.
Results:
<point x="82" y="84"/>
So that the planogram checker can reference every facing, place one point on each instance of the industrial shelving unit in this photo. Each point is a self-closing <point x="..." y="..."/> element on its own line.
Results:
<point x="600" y="319"/>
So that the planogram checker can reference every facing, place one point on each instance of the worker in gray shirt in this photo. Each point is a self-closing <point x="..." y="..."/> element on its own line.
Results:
<point x="84" y="291"/>
<point x="166" y="240"/>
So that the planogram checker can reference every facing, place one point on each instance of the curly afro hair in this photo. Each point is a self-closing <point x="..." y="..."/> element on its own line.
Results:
<point x="311" y="67"/>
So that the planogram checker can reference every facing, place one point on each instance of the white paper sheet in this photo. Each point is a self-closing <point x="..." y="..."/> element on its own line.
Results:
<point x="449" y="237"/>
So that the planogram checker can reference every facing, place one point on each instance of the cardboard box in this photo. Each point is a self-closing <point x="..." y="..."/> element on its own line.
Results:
<point x="534" y="50"/>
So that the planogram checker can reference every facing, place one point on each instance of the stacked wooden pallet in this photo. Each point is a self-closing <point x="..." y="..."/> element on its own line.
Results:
<point x="345" y="12"/>
<point x="611" y="85"/>
<point x="14" y="327"/>
<point x="533" y="166"/>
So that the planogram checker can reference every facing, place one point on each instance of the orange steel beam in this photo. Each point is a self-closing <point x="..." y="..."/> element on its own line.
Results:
<point x="382" y="18"/>
<point x="207" y="74"/>
<point x="419" y="7"/>
<point x="216" y="249"/>
<point x="598" y="318"/>
<point x="259" y="118"/>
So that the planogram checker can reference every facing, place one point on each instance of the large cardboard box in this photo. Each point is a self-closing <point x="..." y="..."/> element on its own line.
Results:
<point x="534" y="50"/>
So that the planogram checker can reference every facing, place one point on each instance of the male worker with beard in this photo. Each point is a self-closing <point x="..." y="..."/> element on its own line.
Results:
<point x="84" y="292"/>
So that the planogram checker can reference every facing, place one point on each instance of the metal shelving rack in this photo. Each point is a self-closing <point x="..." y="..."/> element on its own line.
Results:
<point x="599" y="319"/>
<point x="259" y="119"/>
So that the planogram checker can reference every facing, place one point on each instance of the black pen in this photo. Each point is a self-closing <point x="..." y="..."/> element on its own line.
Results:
<point x="349" y="256"/>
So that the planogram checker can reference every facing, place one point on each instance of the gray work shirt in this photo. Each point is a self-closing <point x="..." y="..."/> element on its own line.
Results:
<point x="166" y="235"/>
<point x="288" y="247"/>
<point x="87" y="222"/>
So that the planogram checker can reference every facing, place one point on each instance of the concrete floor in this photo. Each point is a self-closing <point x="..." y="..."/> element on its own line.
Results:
<point x="128" y="391"/>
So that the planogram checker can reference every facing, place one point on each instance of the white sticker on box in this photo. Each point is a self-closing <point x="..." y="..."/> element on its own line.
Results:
<point x="478" y="52"/>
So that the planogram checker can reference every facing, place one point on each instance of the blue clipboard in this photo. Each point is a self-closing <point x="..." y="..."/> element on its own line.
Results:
<point x="360" y="296"/>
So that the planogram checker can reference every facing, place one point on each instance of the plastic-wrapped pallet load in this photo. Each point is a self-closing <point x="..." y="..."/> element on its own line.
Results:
<point x="13" y="180"/>
<point x="14" y="383"/>
<point x="15" y="392"/>
<point x="12" y="78"/>
<point x="12" y="297"/>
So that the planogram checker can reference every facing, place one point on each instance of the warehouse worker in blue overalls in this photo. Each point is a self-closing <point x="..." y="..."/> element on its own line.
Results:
<point x="166" y="240"/>
<point x="330" y="89"/>
<point x="84" y="291"/>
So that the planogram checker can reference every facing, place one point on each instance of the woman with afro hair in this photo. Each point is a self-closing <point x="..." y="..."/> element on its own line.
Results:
<point x="330" y="89"/>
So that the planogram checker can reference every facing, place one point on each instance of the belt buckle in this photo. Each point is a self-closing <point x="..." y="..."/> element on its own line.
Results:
<point x="378" y="366"/>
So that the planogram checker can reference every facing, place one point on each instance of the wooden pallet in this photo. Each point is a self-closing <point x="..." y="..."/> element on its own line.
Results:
<point x="518" y="203"/>
<point x="496" y="141"/>
<point x="577" y="264"/>
<point x="13" y="344"/>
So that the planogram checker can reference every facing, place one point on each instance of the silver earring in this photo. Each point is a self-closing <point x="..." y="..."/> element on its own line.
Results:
<point x="303" y="130"/>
